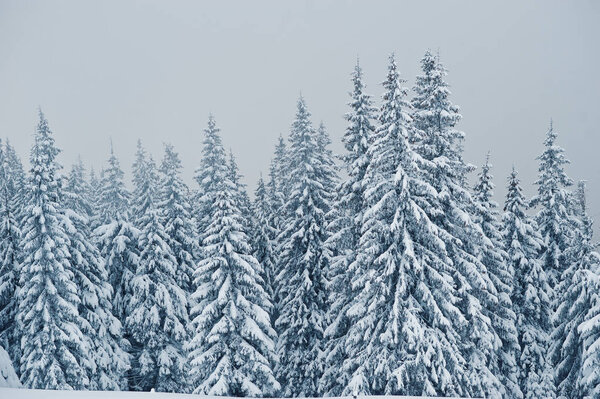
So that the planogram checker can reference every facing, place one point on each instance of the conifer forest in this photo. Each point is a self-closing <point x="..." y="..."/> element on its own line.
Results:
<point x="345" y="199"/>
<point x="388" y="269"/>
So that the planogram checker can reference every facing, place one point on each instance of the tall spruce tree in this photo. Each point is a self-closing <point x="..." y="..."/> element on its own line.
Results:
<point x="277" y="180"/>
<point x="176" y="211"/>
<point x="554" y="219"/>
<point x="10" y="251"/>
<point x="589" y="380"/>
<point x="263" y="237"/>
<point x="438" y="141"/>
<point x="244" y="203"/>
<point x="108" y="360"/>
<point x="303" y="262"/>
<point x="55" y="354"/>
<point x="569" y="348"/>
<point x="346" y="220"/>
<point x="157" y="309"/>
<point x="277" y="193"/>
<point x="530" y="297"/>
<point x="502" y="274"/>
<point x="402" y="337"/>
<point x="212" y="167"/>
<point x="232" y="344"/>
<point x="94" y="195"/>
<point x="116" y="236"/>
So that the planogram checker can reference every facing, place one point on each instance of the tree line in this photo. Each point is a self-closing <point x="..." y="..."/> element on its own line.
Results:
<point x="399" y="278"/>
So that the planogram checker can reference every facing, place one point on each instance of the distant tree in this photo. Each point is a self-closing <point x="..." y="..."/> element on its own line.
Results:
<point x="157" y="313"/>
<point x="176" y="211"/>
<point x="116" y="236"/>
<point x="554" y="220"/>
<point x="263" y="236"/>
<point x="108" y="361"/>
<point x="502" y="274"/>
<point x="530" y="294"/>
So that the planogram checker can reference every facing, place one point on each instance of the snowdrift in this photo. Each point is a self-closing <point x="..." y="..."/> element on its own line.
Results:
<point x="8" y="377"/>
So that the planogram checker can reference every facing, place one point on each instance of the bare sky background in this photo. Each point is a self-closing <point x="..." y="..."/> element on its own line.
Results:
<point x="155" y="69"/>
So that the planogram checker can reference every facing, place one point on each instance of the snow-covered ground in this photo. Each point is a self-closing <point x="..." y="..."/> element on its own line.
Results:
<point x="12" y="393"/>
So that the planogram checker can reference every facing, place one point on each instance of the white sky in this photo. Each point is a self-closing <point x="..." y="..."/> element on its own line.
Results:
<point x="155" y="69"/>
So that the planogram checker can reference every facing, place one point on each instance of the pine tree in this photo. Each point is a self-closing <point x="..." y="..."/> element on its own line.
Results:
<point x="502" y="275"/>
<point x="277" y="194"/>
<point x="54" y="351"/>
<point x="438" y="141"/>
<point x="589" y="329"/>
<point x="176" y="212"/>
<point x="244" y="203"/>
<point x="108" y="360"/>
<point x="530" y="294"/>
<point x="212" y="167"/>
<point x="232" y="346"/>
<point x="303" y="262"/>
<point x="94" y="195"/>
<point x="143" y="183"/>
<point x="264" y="235"/>
<point x="277" y="181"/>
<point x="346" y="218"/>
<point x="116" y="236"/>
<point x="576" y="285"/>
<point x="553" y="219"/>
<point x="10" y="237"/>
<point x="157" y="309"/>
<point x="402" y="337"/>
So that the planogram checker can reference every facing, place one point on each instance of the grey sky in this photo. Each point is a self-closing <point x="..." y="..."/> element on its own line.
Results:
<point x="154" y="70"/>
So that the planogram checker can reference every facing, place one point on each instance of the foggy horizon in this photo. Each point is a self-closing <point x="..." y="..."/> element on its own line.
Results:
<point x="154" y="71"/>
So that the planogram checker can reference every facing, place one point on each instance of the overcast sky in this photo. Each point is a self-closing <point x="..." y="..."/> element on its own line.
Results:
<point x="155" y="69"/>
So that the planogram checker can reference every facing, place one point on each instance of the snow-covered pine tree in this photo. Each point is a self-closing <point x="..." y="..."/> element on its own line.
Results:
<point x="157" y="309"/>
<point x="555" y="223"/>
<point x="264" y="235"/>
<point x="438" y="141"/>
<point x="589" y="381"/>
<point x="116" y="236"/>
<point x="277" y="194"/>
<point x="569" y="339"/>
<point x="212" y="167"/>
<point x="10" y="251"/>
<point x="94" y="194"/>
<point x="20" y="181"/>
<point x="244" y="203"/>
<point x="54" y="351"/>
<point x="346" y="219"/>
<point x="176" y="211"/>
<point x="277" y="180"/>
<point x="232" y="344"/>
<point x="142" y="184"/>
<point x="329" y="169"/>
<point x="108" y="361"/>
<point x="495" y="258"/>
<point x="303" y="260"/>
<point x="530" y="299"/>
<point x="402" y="338"/>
